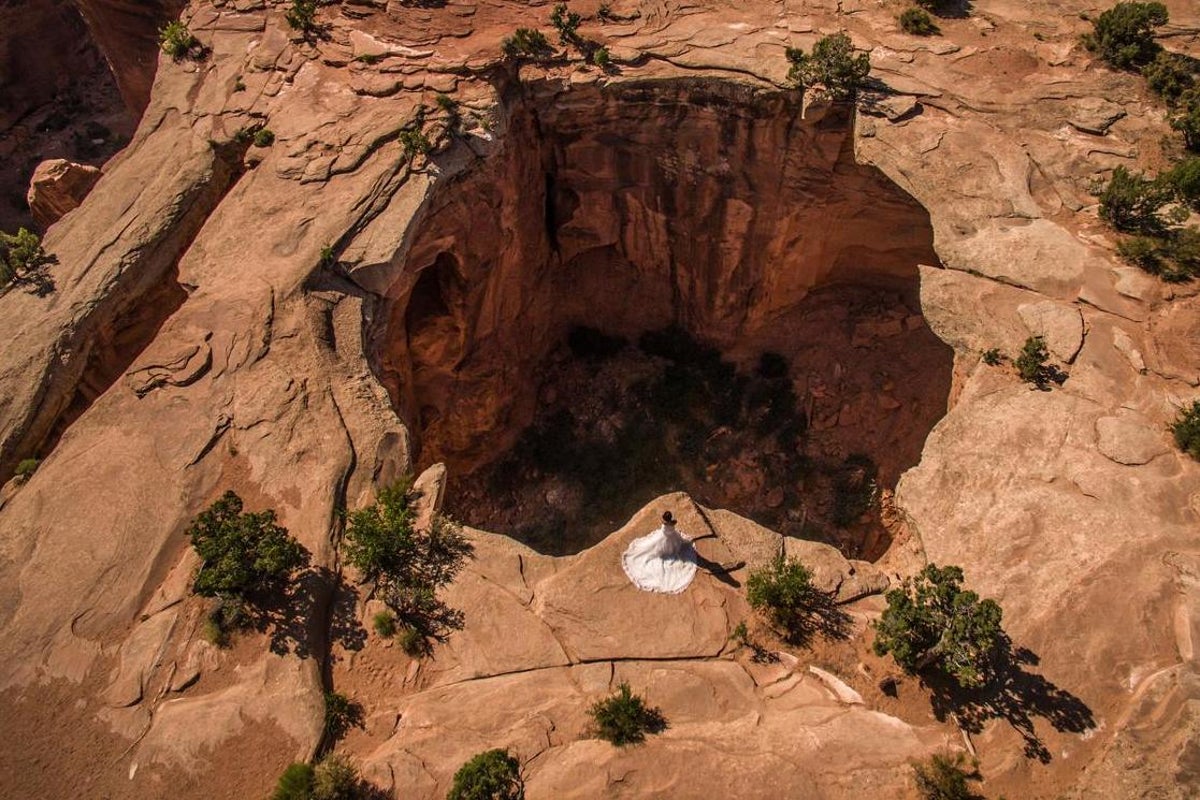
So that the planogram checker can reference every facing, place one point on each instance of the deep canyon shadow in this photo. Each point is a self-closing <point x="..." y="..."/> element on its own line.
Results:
<point x="710" y="212"/>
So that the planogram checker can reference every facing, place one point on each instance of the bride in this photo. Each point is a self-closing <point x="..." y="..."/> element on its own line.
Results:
<point x="661" y="561"/>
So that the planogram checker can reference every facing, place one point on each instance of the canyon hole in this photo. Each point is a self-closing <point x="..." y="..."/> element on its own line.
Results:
<point x="666" y="286"/>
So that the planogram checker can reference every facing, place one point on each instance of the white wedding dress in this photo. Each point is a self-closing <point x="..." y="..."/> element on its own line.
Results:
<point x="662" y="561"/>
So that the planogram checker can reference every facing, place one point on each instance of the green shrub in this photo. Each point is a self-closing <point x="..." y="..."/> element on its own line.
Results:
<point x="1133" y="203"/>
<point x="491" y="775"/>
<point x="602" y="58"/>
<point x="412" y="642"/>
<point x="408" y="566"/>
<point x="240" y="552"/>
<point x="944" y="778"/>
<point x="212" y="632"/>
<point x="782" y="591"/>
<point x="1186" y="118"/>
<point x="1185" y="178"/>
<point x="176" y="40"/>
<point x="336" y="778"/>
<point x="918" y="22"/>
<point x="624" y="718"/>
<point x="1141" y="251"/>
<point x="526" y="42"/>
<point x="1186" y="430"/>
<point x="932" y="622"/>
<point x="384" y="623"/>
<point x="341" y="714"/>
<point x="1169" y="75"/>
<point x="855" y="489"/>
<point x="414" y="141"/>
<point x="993" y="357"/>
<point x="20" y="254"/>
<point x="295" y="783"/>
<point x="1031" y="363"/>
<point x="264" y="137"/>
<point x="832" y="65"/>
<point x="1124" y="35"/>
<point x="302" y="16"/>
<point x="25" y="469"/>
<point x="566" y="23"/>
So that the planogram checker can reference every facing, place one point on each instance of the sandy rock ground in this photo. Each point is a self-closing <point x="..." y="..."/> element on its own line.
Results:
<point x="198" y="340"/>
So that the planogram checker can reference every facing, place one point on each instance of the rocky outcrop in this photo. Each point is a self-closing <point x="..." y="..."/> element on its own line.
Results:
<point x="127" y="33"/>
<point x="257" y="376"/>
<point x="59" y="186"/>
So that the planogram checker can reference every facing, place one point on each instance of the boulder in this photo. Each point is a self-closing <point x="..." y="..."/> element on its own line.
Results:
<point x="59" y="186"/>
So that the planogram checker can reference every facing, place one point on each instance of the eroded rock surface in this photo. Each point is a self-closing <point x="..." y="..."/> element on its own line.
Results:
<point x="201" y="337"/>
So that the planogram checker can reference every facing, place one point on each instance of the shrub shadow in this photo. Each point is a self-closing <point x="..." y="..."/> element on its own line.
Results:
<point x="1016" y="696"/>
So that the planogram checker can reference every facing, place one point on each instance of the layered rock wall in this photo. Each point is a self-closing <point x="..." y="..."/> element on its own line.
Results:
<point x="713" y="206"/>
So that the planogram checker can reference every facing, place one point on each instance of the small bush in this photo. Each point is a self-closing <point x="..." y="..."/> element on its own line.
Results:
<point x="832" y="66"/>
<point x="25" y="469"/>
<point x="1169" y="75"/>
<point x="414" y="141"/>
<point x="566" y="23"/>
<point x="384" y="623"/>
<point x="932" y="622"/>
<point x="335" y="778"/>
<point x="624" y="719"/>
<point x="917" y="22"/>
<point x="526" y="42"/>
<point x="1185" y="178"/>
<point x="1124" y="35"/>
<point x="240" y="552"/>
<point x="602" y="58"/>
<point x="944" y="778"/>
<point x="412" y="642"/>
<point x="1031" y="363"/>
<point x="1186" y="430"/>
<point x="992" y="357"/>
<point x="177" y="41"/>
<point x="783" y="592"/>
<point x="491" y="775"/>
<point x="212" y="632"/>
<point x="341" y="714"/>
<point x="296" y="783"/>
<point x="1186" y="118"/>
<point x="302" y="16"/>
<point x="20" y="254"/>
<point x="1142" y="251"/>
<point x="1133" y="203"/>
<point x="264" y="137"/>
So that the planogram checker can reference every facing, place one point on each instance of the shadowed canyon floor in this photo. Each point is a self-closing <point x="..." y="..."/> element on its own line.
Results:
<point x="307" y="320"/>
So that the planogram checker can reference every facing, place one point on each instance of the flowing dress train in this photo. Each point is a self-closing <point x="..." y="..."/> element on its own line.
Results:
<point x="662" y="561"/>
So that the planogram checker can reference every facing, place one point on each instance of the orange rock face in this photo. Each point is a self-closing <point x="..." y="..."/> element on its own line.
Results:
<point x="291" y="316"/>
<point x="59" y="186"/>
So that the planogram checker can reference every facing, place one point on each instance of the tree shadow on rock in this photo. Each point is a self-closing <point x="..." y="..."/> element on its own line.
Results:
<point x="287" y="615"/>
<point x="1015" y="695"/>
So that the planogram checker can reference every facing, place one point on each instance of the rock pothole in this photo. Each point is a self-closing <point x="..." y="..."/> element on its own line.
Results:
<point x="664" y="286"/>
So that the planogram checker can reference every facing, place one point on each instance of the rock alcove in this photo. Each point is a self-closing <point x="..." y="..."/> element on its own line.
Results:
<point x="643" y="288"/>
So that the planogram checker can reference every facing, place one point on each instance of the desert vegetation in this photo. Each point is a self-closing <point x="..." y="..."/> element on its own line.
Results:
<point x="178" y="42"/>
<point x="526" y="43"/>
<point x="245" y="558"/>
<point x="1186" y="429"/>
<point x="624" y="718"/>
<point x="782" y="592"/>
<point x="490" y="775"/>
<point x="302" y="16"/>
<point x="945" y="777"/>
<point x="21" y="257"/>
<point x="932" y="622"/>
<point x="1123" y="35"/>
<point x="917" y="22"/>
<point x="832" y="67"/>
<point x="334" y="777"/>
<point x="407" y="566"/>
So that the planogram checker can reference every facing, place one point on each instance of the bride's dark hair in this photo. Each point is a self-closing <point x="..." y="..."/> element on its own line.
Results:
<point x="667" y="518"/>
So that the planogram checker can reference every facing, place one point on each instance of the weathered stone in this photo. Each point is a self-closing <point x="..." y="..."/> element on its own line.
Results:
<point x="59" y="186"/>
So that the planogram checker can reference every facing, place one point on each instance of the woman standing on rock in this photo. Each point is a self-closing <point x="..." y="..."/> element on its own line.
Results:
<point x="662" y="561"/>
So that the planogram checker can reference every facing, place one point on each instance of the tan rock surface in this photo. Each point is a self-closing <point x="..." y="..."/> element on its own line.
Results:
<point x="59" y="186"/>
<point x="196" y="341"/>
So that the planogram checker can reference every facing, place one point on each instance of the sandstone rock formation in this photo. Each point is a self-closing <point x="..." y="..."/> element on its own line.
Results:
<point x="59" y="186"/>
<point x="278" y="319"/>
